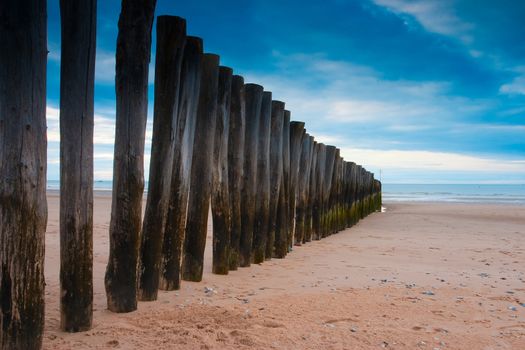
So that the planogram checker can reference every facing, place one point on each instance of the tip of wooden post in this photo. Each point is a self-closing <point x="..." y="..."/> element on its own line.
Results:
<point x="252" y="86"/>
<point x="212" y="58"/>
<point x="195" y="42"/>
<point x="226" y="70"/>
<point x="174" y="21"/>
<point x="238" y="78"/>
<point x="297" y="124"/>
<point x="277" y="103"/>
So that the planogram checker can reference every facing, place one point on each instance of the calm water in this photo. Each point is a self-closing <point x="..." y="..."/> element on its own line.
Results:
<point x="510" y="194"/>
<point x="97" y="185"/>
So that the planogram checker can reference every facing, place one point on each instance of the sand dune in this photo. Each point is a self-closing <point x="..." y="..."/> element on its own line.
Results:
<point x="419" y="276"/>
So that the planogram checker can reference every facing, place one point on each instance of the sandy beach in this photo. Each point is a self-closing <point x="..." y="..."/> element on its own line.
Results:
<point x="419" y="276"/>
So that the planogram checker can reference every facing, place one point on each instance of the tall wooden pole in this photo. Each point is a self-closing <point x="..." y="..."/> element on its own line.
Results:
<point x="319" y="191"/>
<point x="23" y="164"/>
<point x="296" y="137"/>
<point x="302" y="189"/>
<point x="327" y="186"/>
<point x="174" y="232"/>
<point x="201" y="171"/>
<point x="282" y="227"/>
<point x="287" y="225"/>
<point x="262" y="199"/>
<point x="220" y="198"/>
<point x="131" y="84"/>
<point x="171" y="38"/>
<point x="253" y="95"/>
<point x="276" y="171"/>
<point x="77" y="73"/>
<point x="236" y="165"/>
<point x="312" y="192"/>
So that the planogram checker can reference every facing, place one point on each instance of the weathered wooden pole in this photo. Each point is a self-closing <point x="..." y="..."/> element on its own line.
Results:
<point x="355" y="198"/>
<point x="340" y="195"/>
<point x="327" y="186"/>
<point x="282" y="225"/>
<point x="201" y="171"/>
<point x="131" y="85"/>
<point x="319" y="191"/>
<point x="358" y="193"/>
<point x="285" y="224"/>
<point x="220" y="198"/>
<point x="312" y="191"/>
<point x="296" y="137"/>
<point x="350" y="194"/>
<point x="253" y="95"/>
<point x="171" y="38"/>
<point x="276" y="171"/>
<point x="77" y="73"/>
<point x="332" y="196"/>
<point x="23" y="157"/>
<point x="236" y="165"/>
<point x="262" y="199"/>
<point x="346" y="193"/>
<point x="378" y="195"/>
<point x="302" y="188"/>
<point x="174" y="231"/>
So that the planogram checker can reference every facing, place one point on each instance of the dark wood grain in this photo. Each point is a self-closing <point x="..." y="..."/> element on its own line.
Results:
<point x="171" y="39"/>
<point x="23" y="156"/>
<point x="77" y="73"/>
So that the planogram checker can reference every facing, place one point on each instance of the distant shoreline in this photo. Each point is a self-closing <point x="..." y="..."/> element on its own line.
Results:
<point x="497" y="194"/>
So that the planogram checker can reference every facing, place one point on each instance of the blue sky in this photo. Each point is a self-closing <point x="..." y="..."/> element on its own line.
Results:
<point x="422" y="91"/>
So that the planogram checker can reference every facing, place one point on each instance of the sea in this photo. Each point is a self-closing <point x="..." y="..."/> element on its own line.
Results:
<point x="461" y="193"/>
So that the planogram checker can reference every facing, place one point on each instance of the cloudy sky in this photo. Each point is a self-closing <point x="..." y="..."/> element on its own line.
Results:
<point x="422" y="91"/>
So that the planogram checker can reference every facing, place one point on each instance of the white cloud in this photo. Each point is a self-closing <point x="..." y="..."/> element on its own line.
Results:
<point x="104" y="67"/>
<point x="431" y="161"/>
<point x="103" y="141"/>
<point x="328" y="93"/>
<point x="436" y="16"/>
<point x="515" y="87"/>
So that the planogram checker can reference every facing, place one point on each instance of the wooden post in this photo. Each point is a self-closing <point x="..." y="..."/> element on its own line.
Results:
<point x="131" y="85"/>
<point x="355" y="192"/>
<point x="296" y="137"/>
<point x="282" y="232"/>
<point x="327" y="185"/>
<point x="332" y="196"/>
<point x="174" y="231"/>
<point x="378" y="194"/>
<point x="220" y="198"/>
<point x="276" y="171"/>
<point x="312" y="190"/>
<point x="262" y="199"/>
<point x="236" y="165"/>
<point x="77" y="73"/>
<point x="201" y="171"/>
<point x="347" y="194"/>
<point x="287" y="178"/>
<point x="171" y="38"/>
<point x="350" y="194"/>
<point x="253" y="95"/>
<point x="319" y="193"/>
<point x="302" y="188"/>
<point x="23" y="163"/>
<point x="358" y="189"/>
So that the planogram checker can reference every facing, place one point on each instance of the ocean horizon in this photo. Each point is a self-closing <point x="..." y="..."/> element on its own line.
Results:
<point x="460" y="193"/>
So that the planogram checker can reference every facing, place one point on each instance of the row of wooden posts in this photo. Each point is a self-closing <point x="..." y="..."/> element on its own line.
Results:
<point x="216" y="142"/>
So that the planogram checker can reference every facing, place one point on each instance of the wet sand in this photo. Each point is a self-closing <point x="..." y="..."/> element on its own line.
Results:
<point x="419" y="276"/>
